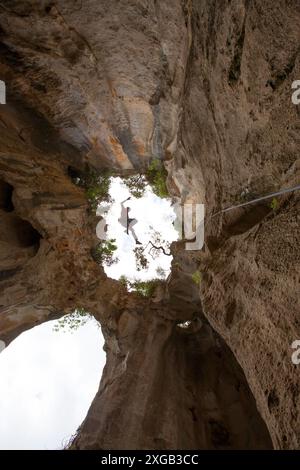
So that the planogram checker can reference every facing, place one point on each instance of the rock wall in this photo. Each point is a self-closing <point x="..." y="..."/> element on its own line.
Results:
<point x="205" y="86"/>
<point x="46" y="230"/>
<point x="176" y="388"/>
<point x="240" y="127"/>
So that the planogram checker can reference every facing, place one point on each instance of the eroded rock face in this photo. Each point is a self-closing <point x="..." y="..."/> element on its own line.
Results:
<point x="46" y="231"/>
<point x="188" y="393"/>
<point x="206" y="87"/>
<point x="108" y="74"/>
<point x="240" y="126"/>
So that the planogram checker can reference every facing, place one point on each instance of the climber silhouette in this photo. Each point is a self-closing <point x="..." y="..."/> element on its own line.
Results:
<point x="127" y="222"/>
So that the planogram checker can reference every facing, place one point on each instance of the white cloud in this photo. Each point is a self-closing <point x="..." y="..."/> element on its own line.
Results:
<point x="48" y="380"/>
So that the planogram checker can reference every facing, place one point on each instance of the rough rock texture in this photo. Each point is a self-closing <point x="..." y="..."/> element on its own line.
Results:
<point x="99" y="71"/>
<point x="246" y="136"/>
<point x="188" y="393"/>
<point x="206" y="86"/>
<point x="46" y="232"/>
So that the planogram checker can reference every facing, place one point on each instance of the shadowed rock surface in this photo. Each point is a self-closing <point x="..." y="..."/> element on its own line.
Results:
<point x="206" y="87"/>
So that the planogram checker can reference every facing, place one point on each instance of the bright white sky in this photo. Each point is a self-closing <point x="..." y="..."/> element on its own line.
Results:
<point x="48" y="379"/>
<point x="47" y="382"/>
<point x="149" y="210"/>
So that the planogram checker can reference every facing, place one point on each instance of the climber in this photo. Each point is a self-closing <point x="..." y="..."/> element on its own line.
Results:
<point x="127" y="222"/>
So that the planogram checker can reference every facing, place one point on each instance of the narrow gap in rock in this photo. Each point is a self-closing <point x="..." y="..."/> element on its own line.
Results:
<point x="6" y="191"/>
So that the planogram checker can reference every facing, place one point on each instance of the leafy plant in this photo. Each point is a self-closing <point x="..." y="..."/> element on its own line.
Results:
<point x="136" y="185"/>
<point x="99" y="191"/>
<point x="73" y="321"/>
<point x="197" y="277"/>
<point x="104" y="252"/>
<point x="156" y="175"/>
<point x="274" y="204"/>
<point x="142" y="288"/>
<point x="145" y="288"/>
<point x="96" y="186"/>
<point x="140" y="259"/>
<point x="123" y="280"/>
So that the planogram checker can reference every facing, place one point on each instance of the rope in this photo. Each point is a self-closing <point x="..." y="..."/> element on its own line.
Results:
<point x="254" y="201"/>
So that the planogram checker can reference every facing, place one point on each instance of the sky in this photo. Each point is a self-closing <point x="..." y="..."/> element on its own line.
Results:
<point x="47" y="378"/>
<point x="149" y="210"/>
<point x="47" y="382"/>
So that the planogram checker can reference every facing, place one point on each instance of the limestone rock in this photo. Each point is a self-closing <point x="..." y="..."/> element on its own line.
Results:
<point x="206" y="87"/>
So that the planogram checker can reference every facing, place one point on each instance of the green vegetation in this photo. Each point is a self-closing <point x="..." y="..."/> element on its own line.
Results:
<point x="123" y="280"/>
<point x="104" y="252"/>
<point x="136" y="185"/>
<point x="145" y="288"/>
<point x="274" y="204"/>
<point x="96" y="186"/>
<point x="141" y="261"/>
<point x="197" y="277"/>
<point x="156" y="175"/>
<point x="142" y="288"/>
<point x="73" y="321"/>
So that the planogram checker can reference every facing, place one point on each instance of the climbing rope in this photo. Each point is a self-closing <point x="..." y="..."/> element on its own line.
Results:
<point x="254" y="201"/>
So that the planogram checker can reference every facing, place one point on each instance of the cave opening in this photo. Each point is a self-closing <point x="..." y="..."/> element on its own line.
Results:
<point x="27" y="236"/>
<point x="49" y="377"/>
<point x="18" y="237"/>
<point x="137" y="229"/>
<point x="6" y="191"/>
<point x="22" y="233"/>
<point x="74" y="174"/>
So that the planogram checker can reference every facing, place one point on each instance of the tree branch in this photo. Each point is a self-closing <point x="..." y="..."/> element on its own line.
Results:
<point x="160" y="248"/>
